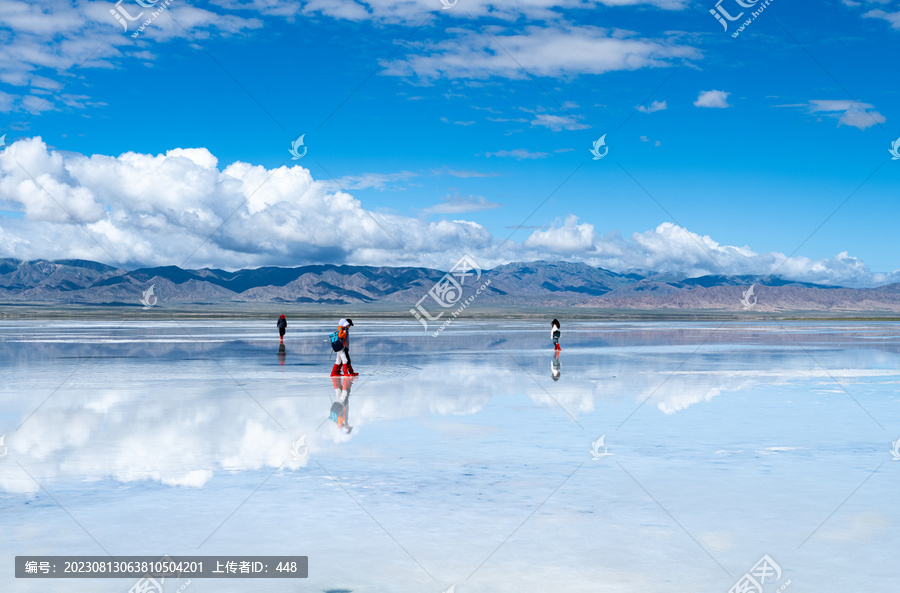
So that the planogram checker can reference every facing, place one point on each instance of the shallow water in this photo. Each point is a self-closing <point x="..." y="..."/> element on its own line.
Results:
<point x="467" y="463"/>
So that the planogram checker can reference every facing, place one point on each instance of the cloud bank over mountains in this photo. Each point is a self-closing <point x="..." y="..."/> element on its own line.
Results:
<point x="181" y="208"/>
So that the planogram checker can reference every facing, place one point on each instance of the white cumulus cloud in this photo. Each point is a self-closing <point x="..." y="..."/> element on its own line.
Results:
<point x="655" y="106"/>
<point x="44" y="39"/>
<point x="460" y="204"/>
<point x="848" y="113"/>
<point x="519" y="154"/>
<point x="184" y="208"/>
<point x="540" y="51"/>
<point x="570" y="237"/>
<point x="157" y="209"/>
<point x="891" y="17"/>
<point x="717" y="99"/>
<point x="557" y="122"/>
<point x="409" y="11"/>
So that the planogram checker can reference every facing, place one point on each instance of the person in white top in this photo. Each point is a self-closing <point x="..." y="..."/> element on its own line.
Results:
<point x="554" y="334"/>
<point x="342" y="362"/>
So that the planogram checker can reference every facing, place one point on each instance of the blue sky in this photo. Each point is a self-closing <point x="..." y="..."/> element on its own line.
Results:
<point x="447" y="128"/>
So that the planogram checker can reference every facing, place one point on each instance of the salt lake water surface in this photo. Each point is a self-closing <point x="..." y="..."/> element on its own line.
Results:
<point x="472" y="459"/>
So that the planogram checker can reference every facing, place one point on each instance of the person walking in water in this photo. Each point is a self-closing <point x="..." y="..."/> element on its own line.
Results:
<point x="554" y="334"/>
<point x="282" y="327"/>
<point x="342" y="362"/>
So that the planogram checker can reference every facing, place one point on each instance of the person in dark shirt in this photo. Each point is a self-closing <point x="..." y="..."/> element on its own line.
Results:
<point x="282" y="327"/>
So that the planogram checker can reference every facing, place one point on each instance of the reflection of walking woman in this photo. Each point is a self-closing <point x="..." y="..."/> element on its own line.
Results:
<point x="282" y="327"/>
<point x="554" y="334"/>
<point x="340" y="409"/>
<point x="342" y="362"/>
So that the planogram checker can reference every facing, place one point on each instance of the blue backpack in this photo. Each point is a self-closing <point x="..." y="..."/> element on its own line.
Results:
<point x="336" y="343"/>
<point x="336" y="409"/>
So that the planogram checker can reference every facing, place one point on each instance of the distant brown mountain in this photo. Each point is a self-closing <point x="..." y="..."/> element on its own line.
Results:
<point x="534" y="284"/>
<point x="788" y="297"/>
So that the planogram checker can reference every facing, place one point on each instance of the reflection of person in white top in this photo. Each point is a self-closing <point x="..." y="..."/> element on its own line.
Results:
<point x="555" y="367"/>
<point x="554" y="334"/>
<point x="340" y="409"/>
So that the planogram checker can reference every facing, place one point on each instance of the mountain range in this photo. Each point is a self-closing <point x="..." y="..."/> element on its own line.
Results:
<point x="540" y="283"/>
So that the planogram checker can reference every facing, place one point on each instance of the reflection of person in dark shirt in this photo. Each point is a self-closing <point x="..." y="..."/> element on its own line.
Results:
<point x="340" y="409"/>
<point x="281" y="353"/>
